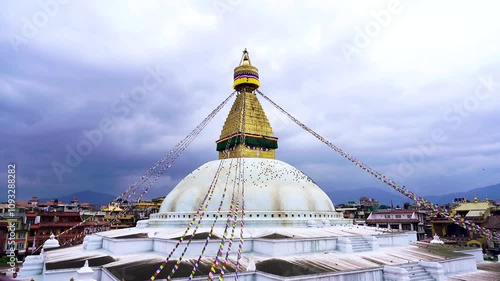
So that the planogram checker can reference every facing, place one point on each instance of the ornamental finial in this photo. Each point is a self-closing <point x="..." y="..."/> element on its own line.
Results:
<point x="245" y="58"/>
<point x="246" y="76"/>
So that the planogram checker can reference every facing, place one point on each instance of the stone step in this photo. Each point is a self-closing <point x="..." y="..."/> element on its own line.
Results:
<point x="417" y="272"/>
<point x="421" y="278"/>
<point x="413" y="269"/>
<point x="361" y="249"/>
<point x="360" y="245"/>
<point x="356" y="238"/>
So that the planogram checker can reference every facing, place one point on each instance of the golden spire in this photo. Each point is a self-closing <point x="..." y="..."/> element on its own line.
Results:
<point x="246" y="132"/>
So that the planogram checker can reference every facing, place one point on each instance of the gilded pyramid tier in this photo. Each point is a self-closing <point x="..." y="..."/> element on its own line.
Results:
<point x="247" y="132"/>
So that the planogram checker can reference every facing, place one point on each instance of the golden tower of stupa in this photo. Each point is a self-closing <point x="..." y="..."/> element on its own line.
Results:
<point x="246" y="132"/>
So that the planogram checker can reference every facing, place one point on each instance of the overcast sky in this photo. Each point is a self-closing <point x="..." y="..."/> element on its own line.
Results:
<point x="411" y="88"/>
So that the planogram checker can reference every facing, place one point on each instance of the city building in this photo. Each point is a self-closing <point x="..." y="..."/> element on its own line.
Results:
<point x="13" y="235"/>
<point x="143" y="209"/>
<point x="44" y="224"/>
<point x="475" y="211"/>
<point x="13" y="230"/>
<point x="118" y="215"/>
<point x="368" y="203"/>
<point x="492" y="223"/>
<point x="359" y="212"/>
<point x="399" y="219"/>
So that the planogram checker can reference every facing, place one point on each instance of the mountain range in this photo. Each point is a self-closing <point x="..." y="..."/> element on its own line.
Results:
<point x="385" y="196"/>
<point x="338" y="196"/>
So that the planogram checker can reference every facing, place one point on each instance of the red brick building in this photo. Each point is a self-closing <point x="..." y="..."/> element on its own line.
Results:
<point x="43" y="224"/>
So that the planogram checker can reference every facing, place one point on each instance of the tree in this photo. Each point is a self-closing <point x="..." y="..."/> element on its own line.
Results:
<point x="406" y="205"/>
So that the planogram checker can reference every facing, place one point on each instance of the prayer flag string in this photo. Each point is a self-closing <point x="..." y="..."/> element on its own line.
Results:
<point x="419" y="200"/>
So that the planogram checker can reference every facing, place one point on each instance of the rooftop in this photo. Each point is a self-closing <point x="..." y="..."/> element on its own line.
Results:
<point x="474" y="206"/>
<point x="395" y="211"/>
<point x="383" y="220"/>
<point x="492" y="222"/>
<point x="140" y="266"/>
<point x="293" y="232"/>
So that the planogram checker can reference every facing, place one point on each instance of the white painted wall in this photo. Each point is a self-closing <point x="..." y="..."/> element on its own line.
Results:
<point x="368" y="274"/>
<point x="392" y="240"/>
<point x="477" y="253"/>
<point x="127" y="246"/>
<point x="284" y="247"/>
<point x="67" y="274"/>
<point x="165" y="246"/>
<point x="459" y="265"/>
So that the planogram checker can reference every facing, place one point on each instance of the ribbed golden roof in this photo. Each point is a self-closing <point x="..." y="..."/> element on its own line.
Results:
<point x="474" y="206"/>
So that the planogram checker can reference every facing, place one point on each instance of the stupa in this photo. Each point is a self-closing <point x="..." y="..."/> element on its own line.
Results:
<point x="255" y="218"/>
<point x="276" y="193"/>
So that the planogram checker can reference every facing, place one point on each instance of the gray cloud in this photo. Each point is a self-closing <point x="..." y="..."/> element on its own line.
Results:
<point x="85" y="62"/>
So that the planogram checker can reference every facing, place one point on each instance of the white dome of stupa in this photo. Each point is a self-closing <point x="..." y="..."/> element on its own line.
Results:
<point x="274" y="193"/>
<point x="269" y="185"/>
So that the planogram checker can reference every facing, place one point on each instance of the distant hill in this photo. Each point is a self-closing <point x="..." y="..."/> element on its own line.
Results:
<point x="91" y="197"/>
<point x="337" y="196"/>
<point x="385" y="197"/>
<point x="492" y="192"/>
